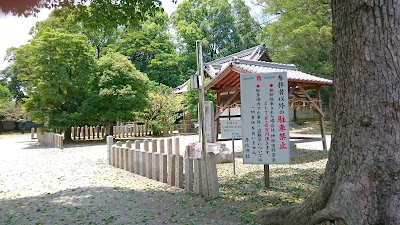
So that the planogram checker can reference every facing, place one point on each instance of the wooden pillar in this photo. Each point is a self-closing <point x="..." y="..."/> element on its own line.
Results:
<point x="321" y="119"/>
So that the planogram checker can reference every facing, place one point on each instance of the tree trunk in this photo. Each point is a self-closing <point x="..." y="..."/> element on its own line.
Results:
<point x="67" y="136"/>
<point x="361" y="183"/>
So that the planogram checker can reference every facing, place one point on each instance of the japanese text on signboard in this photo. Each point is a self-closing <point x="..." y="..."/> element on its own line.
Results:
<point x="265" y="118"/>
<point x="231" y="128"/>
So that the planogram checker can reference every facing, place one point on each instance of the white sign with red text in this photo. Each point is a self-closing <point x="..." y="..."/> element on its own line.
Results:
<point x="231" y="129"/>
<point x="265" y="118"/>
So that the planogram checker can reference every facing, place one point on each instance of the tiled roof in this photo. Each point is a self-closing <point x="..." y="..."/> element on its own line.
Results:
<point x="265" y="67"/>
<point x="214" y="67"/>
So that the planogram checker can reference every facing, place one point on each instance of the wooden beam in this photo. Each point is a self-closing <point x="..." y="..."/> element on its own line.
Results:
<point x="315" y="106"/>
<point x="229" y="89"/>
<point x="218" y="78"/>
<point x="227" y="104"/>
<point x="321" y="119"/>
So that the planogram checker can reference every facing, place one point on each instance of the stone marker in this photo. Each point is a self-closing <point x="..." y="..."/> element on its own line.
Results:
<point x="210" y="124"/>
<point x="222" y="153"/>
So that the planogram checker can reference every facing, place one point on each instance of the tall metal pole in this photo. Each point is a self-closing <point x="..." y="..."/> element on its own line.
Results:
<point x="202" y="121"/>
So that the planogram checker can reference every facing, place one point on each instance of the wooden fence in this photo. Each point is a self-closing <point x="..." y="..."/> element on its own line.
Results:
<point x="132" y="130"/>
<point x="166" y="164"/>
<point x="50" y="139"/>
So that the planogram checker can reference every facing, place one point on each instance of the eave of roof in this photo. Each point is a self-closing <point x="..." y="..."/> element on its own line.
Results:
<point x="250" y="66"/>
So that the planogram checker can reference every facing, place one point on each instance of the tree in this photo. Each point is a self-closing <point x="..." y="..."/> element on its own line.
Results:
<point x="10" y="74"/>
<point x="191" y="99"/>
<point x="217" y="24"/>
<point x="55" y="69"/>
<point x="168" y="69"/>
<point x="5" y="101"/>
<point x="300" y="33"/>
<point x="116" y="91"/>
<point x="103" y="13"/>
<point x="361" y="182"/>
<point x="163" y="109"/>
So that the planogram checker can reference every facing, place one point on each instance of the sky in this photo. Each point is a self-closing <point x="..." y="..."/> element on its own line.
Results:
<point x="15" y="30"/>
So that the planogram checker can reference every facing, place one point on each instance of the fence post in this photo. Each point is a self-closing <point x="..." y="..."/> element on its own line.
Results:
<point x="179" y="171"/>
<point x="142" y="163"/>
<point x="189" y="175"/>
<point x="78" y="132"/>
<point x="204" y="180"/>
<point x="169" y="146"/>
<point x="164" y="168"/>
<point x="146" y="145"/>
<point x="197" y="176"/>
<point x="109" y="146"/>
<point x="119" y="155"/>
<point x="136" y="161"/>
<point x="154" y="145"/>
<point x="149" y="164"/>
<point x="176" y="146"/>
<point x="156" y="166"/>
<point x="131" y="160"/>
<point x="213" y="186"/>
<point x="137" y="145"/>
<point x="162" y="146"/>
<point x="32" y="133"/>
<point x="171" y="169"/>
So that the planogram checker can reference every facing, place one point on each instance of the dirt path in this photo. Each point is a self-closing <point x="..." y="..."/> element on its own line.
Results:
<point x="41" y="185"/>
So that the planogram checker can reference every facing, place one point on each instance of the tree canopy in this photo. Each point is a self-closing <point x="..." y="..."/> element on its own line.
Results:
<point x="218" y="24"/>
<point x="300" y="33"/>
<point x="55" y="68"/>
<point x="117" y="90"/>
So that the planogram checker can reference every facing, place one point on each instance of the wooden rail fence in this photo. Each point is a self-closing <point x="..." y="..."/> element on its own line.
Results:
<point x="165" y="164"/>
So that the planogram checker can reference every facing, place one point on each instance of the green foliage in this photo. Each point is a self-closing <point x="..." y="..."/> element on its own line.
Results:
<point x="191" y="99"/>
<point x="223" y="29"/>
<point x="116" y="91"/>
<point x="55" y="69"/>
<point x="10" y="74"/>
<point x="101" y="13"/>
<point x="5" y="101"/>
<point x="164" y="107"/>
<point x="301" y="34"/>
<point x="167" y="69"/>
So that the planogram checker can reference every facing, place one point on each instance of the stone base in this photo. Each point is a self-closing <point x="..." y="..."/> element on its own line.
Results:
<point x="222" y="153"/>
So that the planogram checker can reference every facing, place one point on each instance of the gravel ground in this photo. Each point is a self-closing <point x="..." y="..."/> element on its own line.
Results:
<point x="41" y="185"/>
